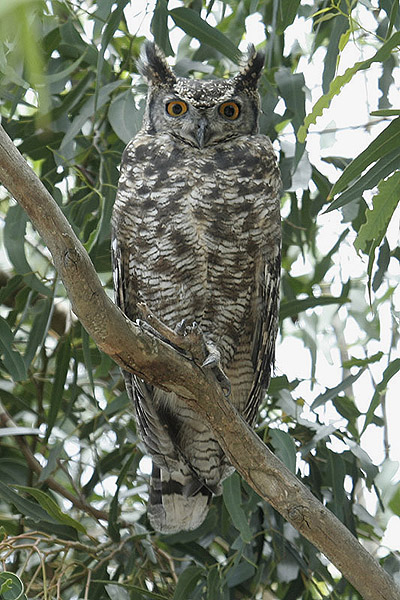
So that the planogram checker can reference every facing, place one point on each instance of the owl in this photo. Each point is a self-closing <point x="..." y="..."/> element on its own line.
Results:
<point x="196" y="239"/>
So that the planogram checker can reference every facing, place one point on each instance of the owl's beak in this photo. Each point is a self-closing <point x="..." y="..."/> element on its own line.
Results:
<point x="201" y="133"/>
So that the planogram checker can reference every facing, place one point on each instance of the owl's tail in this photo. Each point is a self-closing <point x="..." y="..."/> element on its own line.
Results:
<point x="176" y="502"/>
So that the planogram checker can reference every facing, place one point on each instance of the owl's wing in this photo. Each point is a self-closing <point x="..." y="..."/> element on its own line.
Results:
<point x="152" y="429"/>
<point x="263" y="347"/>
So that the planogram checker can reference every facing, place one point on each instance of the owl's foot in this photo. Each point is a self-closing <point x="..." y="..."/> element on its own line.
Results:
<point x="213" y="362"/>
<point x="195" y="343"/>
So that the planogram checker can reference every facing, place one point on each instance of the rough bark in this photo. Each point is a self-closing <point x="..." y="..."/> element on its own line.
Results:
<point x="140" y="352"/>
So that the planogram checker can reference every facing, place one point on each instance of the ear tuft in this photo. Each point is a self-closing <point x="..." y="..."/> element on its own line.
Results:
<point x="250" y="73"/>
<point x="153" y="66"/>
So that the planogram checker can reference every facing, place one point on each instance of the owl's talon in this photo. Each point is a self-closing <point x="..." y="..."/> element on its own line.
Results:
<point x="213" y="362"/>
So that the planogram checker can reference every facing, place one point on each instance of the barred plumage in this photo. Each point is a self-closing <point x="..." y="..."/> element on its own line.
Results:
<point x="196" y="236"/>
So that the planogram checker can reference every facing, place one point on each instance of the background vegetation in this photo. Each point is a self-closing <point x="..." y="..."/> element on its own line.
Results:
<point x="73" y="482"/>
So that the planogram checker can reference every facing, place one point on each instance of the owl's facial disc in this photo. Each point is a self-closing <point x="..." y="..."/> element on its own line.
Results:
<point x="201" y="126"/>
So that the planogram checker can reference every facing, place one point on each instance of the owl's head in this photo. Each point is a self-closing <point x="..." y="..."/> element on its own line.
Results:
<point x="201" y="112"/>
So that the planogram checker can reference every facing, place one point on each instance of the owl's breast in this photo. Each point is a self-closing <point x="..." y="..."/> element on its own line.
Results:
<point x="197" y="222"/>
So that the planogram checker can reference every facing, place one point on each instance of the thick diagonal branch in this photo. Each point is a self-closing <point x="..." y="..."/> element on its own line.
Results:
<point x="157" y="362"/>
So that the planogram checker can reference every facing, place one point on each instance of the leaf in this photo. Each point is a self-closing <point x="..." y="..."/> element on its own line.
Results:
<point x="124" y="117"/>
<point x="39" y="329"/>
<point x="362" y="362"/>
<point x="284" y="447"/>
<point x="11" y="587"/>
<point x="12" y="360"/>
<point x="232" y="495"/>
<point x="62" y="362"/>
<point x="287" y="12"/>
<point x="331" y="393"/>
<point x="6" y="431"/>
<point x="51" y="507"/>
<point x="159" y="27"/>
<point x="187" y="582"/>
<point x="86" y="112"/>
<point x="384" y="204"/>
<point x="386" y="142"/>
<point x="14" y="242"/>
<point x="192" y="24"/>
<point x="25" y="507"/>
<point x="109" y="30"/>
<point x="292" y="308"/>
<point x="391" y="370"/>
<point x="336" y="85"/>
<point x="241" y="572"/>
<point x="381" y="169"/>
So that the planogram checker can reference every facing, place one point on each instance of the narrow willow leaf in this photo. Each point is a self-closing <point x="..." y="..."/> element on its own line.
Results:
<point x="232" y="495"/>
<point x="6" y="431"/>
<point x="14" y="242"/>
<point x="12" y="360"/>
<point x="362" y="362"/>
<point x="384" y="204"/>
<point x="284" y="448"/>
<point x="192" y="24"/>
<point x="187" y="582"/>
<point x="25" y="507"/>
<point x="39" y="329"/>
<point x="287" y="12"/>
<point x="381" y="169"/>
<point x="62" y="361"/>
<point x="390" y="371"/>
<point x="292" y="308"/>
<point x="87" y="112"/>
<point x="386" y="142"/>
<point x="110" y="28"/>
<point x="336" y="85"/>
<point x="51" y="507"/>
<point x="333" y="392"/>
<point x="159" y="27"/>
<point x="239" y="573"/>
<point x="125" y="118"/>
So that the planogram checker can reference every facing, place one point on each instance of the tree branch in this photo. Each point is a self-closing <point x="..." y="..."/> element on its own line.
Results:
<point x="138" y="351"/>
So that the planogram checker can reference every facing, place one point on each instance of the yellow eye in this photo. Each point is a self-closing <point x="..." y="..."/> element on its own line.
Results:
<point x="176" y="108"/>
<point x="229" y="110"/>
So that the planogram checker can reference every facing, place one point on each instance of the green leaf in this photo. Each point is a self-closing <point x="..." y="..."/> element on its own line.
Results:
<point x="284" y="447"/>
<point x="14" y="242"/>
<point x="62" y="362"/>
<point x="11" y="587"/>
<point x="333" y="392"/>
<point x="187" y="582"/>
<point x="124" y="117"/>
<point x="287" y="12"/>
<point x="232" y="495"/>
<point x="381" y="169"/>
<point x="87" y="111"/>
<point x="390" y="371"/>
<point x="239" y="573"/>
<point x="192" y="24"/>
<point x="386" y="142"/>
<point x="384" y="204"/>
<point x="394" y="503"/>
<point x="362" y="362"/>
<point x="159" y="27"/>
<point x="39" y="329"/>
<point x="25" y="507"/>
<point x="51" y="507"/>
<point x="12" y="360"/>
<point x="336" y="85"/>
<point x="292" y="308"/>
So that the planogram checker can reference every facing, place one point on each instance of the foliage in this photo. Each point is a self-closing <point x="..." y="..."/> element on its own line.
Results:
<point x="72" y="491"/>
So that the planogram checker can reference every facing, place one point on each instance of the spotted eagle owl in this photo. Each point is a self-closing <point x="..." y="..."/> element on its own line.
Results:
<point x="196" y="239"/>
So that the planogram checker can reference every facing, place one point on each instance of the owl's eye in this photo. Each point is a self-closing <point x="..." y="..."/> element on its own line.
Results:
<point x="229" y="110"/>
<point x="176" y="108"/>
